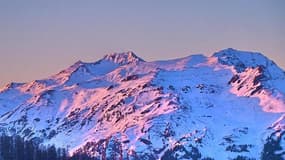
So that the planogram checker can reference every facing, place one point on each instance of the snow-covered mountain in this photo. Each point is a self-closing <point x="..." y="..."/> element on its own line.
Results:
<point x="227" y="106"/>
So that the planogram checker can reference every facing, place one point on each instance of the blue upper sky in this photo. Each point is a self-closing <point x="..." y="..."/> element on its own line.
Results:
<point x="39" y="38"/>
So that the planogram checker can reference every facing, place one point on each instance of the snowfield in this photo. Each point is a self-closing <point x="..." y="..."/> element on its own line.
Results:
<point x="227" y="106"/>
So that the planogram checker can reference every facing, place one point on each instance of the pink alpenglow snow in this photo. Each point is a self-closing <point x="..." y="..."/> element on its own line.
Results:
<point x="227" y="106"/>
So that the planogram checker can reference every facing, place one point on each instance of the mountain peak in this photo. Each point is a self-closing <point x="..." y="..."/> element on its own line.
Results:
<point x="241" y="59"/>
<point x="122" y="108"/>
<point x="123" y="58"/>
<point x="236" y="52"/>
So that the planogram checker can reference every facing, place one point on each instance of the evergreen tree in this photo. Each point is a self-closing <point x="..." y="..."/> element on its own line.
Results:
<point x="51" y="153"/>
<point x="16" y="148"/>
<point x="19" y="148"/>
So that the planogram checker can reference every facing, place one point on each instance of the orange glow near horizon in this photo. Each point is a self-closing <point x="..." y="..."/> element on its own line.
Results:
<point x="41" y="38"/>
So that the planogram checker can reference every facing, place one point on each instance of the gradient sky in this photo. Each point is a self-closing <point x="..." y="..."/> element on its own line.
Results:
<point x="39" y="38"/>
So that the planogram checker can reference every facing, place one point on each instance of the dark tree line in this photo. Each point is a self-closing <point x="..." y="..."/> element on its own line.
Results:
<point x="16" y="148"/>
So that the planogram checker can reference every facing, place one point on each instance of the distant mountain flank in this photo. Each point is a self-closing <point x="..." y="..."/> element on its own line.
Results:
<point x="230" y="105"/>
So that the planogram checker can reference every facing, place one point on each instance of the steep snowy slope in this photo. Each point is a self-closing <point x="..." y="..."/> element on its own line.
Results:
<point x="230" y="105"/>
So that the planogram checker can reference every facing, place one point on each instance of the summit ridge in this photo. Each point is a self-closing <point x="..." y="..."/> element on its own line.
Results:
<point x="225" y="106"/>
